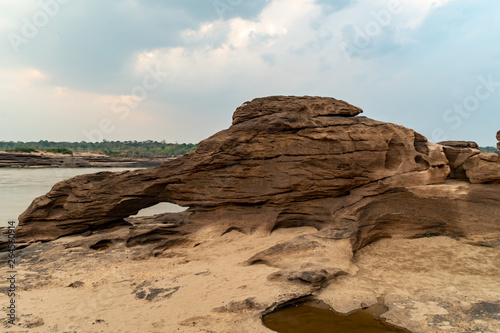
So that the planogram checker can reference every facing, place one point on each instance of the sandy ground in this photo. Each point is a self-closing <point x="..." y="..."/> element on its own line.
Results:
<point x="430" y="285"/>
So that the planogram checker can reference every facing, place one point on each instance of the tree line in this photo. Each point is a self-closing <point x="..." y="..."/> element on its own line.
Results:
<point x="489" y="149"/>
<point x="147" y="148"/>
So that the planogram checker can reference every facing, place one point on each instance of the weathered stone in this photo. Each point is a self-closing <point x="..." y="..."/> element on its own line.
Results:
<point x="460" y="144"/>
<point x="281" y="152"/>
<point x="483" y="168"/>
<point x="292" y="106"/>
<point x="457" y="152"/>
<point x="498" y="135"/>
<point x="307" y="258"/>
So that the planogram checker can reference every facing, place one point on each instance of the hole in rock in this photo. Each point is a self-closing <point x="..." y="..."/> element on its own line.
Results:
<point x="162" y="207"/>
<point x="102" y="245"/>
<point x="421" y="161"/>
<point x="316" y="316"/>
<point x="421" y="146"/>
<point x="297" y="220"/>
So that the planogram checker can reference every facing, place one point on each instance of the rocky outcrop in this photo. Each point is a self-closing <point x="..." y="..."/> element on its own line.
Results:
<point x="483" y="168"/>
<point x="41" y="160"/>
<point x="290" y="162"/>
<point x="498" y="138"/>
<point x="307" y="107"/>
<point x="254" y="174"/>
<point x="457" y="152"/>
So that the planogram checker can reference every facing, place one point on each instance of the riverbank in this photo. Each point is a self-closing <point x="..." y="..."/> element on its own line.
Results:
<point x="78" y="160"/>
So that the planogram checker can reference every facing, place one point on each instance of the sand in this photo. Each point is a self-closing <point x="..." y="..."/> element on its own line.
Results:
<point x="429" y="284"/>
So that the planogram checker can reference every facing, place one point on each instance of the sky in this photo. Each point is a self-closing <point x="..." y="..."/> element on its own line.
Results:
<point x="92" y="70"/>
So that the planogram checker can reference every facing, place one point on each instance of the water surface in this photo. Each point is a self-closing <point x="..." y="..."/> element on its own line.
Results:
<point x="19" y="186"/>
<point x="311" y="317"/>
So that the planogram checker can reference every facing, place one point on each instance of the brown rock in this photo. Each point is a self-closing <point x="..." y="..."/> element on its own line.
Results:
<point x="498" y="135"/>
<point x="460" y="144"/>
<point x="292" y="106"/>
<point x="454" y="209"/>
<point x="308" y="259"/>
<point x="277" y="156"/>
<point x="483" y="168"/>
<point x="457" y="152"/>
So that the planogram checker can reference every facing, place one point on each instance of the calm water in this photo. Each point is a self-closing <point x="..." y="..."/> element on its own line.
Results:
<point x="310" y="317"/>
<point x="18" y="188"/>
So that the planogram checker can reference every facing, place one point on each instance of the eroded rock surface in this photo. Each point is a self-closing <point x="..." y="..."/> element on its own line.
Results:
<point x="483" y="168"/>
<point x="279" y="151"/>
<point x="457" y="152"/>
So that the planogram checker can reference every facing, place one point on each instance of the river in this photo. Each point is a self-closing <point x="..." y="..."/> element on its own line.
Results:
<point x="19" y="186"/>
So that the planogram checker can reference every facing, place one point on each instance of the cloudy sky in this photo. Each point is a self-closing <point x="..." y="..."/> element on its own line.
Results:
<point x="86" y="70"/>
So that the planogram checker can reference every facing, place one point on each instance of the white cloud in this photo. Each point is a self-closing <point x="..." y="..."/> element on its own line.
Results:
<point x="277" y="32"/>
<point x="414" y="13"/>
<point x="408" y="71"/>
<point x="21" y="78"/>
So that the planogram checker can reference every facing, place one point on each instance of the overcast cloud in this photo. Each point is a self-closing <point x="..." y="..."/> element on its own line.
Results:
<point x="77" y="70"/>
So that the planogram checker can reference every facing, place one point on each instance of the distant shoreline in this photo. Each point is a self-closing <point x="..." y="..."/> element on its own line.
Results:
<point x="78" y="160"/>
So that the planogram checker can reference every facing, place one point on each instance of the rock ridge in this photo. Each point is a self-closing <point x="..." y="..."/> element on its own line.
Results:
<point x="309" y="106"/>
<point x="285" y="162"/>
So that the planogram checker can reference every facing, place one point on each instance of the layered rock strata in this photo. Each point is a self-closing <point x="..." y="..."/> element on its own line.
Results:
<point x="285" y="162"/>
<point x="483" y="168"/>
<point x="269" y="169"/>
<point x="457" y="152"/>
<point x="41" y="160"/>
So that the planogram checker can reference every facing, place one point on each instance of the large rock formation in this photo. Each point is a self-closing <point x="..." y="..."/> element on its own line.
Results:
<point x="483" y="168"/>
<point x="468" y="163"/>
<point x="288" y="162"/>
<point x="457" y="152"/>
<point x="498" y="138"/>
<point x="279" y="154"/>
<point x="285" y="161"/>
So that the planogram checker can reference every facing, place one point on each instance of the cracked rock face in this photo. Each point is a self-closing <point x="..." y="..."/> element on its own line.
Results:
<point x="483" y="168"/>
<point x="285" y="162"/>
<point x="457" y="152"/>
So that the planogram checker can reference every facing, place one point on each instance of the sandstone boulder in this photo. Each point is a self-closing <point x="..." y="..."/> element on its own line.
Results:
<point x="457" y="152"/>
<point x="279" y="154"/>
<point x="308" y="106"/>
<point x="483" y="168"/>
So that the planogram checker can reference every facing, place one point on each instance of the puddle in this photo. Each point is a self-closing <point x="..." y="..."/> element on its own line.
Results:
<point x="317" y="317"/>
